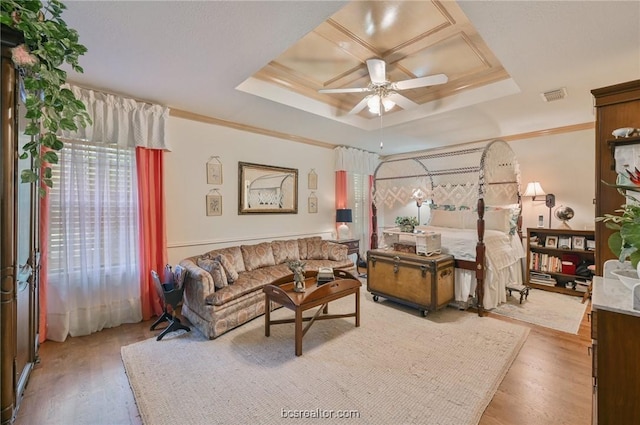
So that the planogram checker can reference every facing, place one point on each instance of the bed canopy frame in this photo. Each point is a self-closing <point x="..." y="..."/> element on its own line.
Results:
<point x="473" y="177"/>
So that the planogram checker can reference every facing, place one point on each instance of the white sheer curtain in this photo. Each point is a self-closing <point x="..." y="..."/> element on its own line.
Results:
<point x="93" y="249"/>
<point x="359" y="165"/>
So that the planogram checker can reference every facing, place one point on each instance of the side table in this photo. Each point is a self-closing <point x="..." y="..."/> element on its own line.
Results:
<point x="354" y="248"/>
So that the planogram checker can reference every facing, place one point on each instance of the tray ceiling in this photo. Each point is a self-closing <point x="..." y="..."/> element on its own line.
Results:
<point x="415" y="39"/>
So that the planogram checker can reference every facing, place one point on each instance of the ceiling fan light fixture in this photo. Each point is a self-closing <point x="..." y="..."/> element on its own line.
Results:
<point x="388" y="104"/>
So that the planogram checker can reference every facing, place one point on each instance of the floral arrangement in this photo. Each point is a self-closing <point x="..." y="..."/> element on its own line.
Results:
<point x="407" y="221"/>
<point x="48" y="44"/>
<point x="625" y="242"/>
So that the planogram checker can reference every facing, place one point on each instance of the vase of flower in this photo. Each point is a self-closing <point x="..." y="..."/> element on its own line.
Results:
<point x="406" y="224"/>
<point x="297" y="267"/>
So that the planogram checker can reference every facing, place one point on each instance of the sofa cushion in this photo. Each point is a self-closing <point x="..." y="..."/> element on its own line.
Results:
<point x="248" y="282"/>
<point x="257" y="256"/>
<point x="302" y="245"/>
<point x="317" y="249"/>
<point x="284" y="251"/>
<point x="215" y="269"/>
<point x="228" y="261"/>
<point x="234" y="257"/>
<point x="337" y="252"/>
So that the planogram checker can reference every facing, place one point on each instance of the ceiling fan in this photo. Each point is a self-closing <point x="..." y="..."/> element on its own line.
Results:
<point x="384" y="93"/>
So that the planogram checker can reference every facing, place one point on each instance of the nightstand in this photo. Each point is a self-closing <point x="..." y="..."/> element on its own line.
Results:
<point x="354" y="248"/>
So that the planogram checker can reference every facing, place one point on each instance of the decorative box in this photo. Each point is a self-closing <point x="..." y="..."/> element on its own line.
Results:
<point x="405" y="246"/>
<point x="428" y="243"/>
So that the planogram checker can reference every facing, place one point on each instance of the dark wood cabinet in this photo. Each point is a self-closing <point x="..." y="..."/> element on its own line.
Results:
<point x="617" y="106"/>
<point x="19" y="247"/>
<point x="616" y="368"/>
<point x="426" y="283"/>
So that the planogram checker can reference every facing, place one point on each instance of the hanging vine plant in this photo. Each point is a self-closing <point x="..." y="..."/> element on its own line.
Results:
<point x="48" y="44"/>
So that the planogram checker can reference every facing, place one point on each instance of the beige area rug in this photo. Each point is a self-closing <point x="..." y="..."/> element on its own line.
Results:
<point x="396" y="368"/>
<point x="549" y="309"/>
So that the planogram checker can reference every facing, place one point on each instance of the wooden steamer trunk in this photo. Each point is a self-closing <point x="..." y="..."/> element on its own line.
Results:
<point x="426" y="283"/>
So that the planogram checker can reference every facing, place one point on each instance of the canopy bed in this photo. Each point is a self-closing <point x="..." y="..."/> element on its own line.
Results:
<point x="474" y="199"/>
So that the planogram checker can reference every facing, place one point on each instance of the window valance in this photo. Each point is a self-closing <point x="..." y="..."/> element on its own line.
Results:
<point x="121" y="121"/>
<point x="355" y="161"/>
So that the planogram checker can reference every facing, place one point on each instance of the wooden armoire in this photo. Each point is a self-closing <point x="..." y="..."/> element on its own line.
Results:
<point x="19" y="246"/>
<point x="617" y="106"/>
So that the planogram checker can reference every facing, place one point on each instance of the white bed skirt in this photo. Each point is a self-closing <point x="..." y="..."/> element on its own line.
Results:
<point x="495" y="284"/>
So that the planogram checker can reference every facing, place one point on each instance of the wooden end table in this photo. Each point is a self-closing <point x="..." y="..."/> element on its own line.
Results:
<point x="314" y="296"/>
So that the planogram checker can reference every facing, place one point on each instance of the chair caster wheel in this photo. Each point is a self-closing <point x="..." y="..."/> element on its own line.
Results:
<point x="376" y="298"/>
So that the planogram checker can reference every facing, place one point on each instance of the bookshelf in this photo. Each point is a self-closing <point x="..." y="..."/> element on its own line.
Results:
<point x="553" y="256"/>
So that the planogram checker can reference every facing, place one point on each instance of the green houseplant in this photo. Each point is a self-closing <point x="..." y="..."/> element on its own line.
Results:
<point x="625" y="241"/>
<point x="48" y="44"/>
<point x="406" y="223"/>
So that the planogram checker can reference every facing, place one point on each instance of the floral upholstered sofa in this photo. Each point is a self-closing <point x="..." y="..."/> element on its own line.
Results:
<point x="223" y="287"/>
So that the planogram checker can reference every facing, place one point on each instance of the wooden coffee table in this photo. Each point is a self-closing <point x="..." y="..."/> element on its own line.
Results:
<point x="281" y="292"/>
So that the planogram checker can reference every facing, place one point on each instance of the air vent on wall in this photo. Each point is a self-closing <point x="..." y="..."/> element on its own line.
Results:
<point x="550" y="96"/>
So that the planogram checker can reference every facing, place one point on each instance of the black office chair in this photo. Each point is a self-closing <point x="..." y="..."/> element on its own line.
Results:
<point x="170" y="294"/>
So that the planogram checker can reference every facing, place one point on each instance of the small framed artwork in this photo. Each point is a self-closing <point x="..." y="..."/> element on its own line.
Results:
<point x="214" y="204"/>
<point x="313" y="203"/>
<point x="214" y="171"/>
<point x="312" y="180"/>
<point x="591" y="245"/>
<point x="551" y="242"/>
<point x="578" y="242"/>
<point x="564" y="242"/>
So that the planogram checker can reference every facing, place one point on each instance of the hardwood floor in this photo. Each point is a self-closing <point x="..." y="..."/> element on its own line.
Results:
<point x="82" y="381"/>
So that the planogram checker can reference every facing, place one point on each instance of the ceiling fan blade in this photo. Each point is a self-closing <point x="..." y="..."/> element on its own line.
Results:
<point x="360" y="106"/>
<point x="377" y="70"/>
<point x="402" y="101"/>
<point x="345" y="90"/>
<point x="430" y="80"/>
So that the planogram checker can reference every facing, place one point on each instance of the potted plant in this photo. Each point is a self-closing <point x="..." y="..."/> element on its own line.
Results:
<point x="48" y="44"/>
<point x="625" y="241"/>
<point x="406" y="224"/>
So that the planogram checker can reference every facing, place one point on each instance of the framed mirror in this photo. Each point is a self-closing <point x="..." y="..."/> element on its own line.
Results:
<point x="266" y="189"/>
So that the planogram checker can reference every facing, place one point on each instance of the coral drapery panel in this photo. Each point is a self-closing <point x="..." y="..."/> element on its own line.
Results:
<point x="153" y="239"/>
<point x="341" y="190"/>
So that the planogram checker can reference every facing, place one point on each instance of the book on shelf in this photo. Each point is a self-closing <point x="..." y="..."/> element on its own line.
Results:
<point x="541" y="278"/>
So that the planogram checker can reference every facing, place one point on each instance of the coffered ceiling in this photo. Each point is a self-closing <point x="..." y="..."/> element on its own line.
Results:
<point x="414" y="38"/>
<point x="258" y="65"/>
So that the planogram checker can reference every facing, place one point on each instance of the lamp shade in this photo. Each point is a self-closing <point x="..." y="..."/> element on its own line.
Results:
<point x="343" y="216"/>
<point x="534" y="189"/>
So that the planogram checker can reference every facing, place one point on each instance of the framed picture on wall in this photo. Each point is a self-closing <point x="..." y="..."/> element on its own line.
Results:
<point x="214" y="171"/>
<point x="214" y="204"/>
<point x="267" y="189"/>
<point x="312" y="179"/>
<point x="313" y="203"/>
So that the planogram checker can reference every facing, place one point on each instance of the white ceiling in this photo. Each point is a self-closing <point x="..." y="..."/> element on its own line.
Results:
<point x="191" y="56"/>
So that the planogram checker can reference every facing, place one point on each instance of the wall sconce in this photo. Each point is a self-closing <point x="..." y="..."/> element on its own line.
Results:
<point x="343" y="216"/>
<point x="535" y="189"/>
<point x="418" y="195"/>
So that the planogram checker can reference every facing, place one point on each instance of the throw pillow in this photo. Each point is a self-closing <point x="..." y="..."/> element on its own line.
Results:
<point x="215" y="269"/>
<point x="302" y="245"/>
<point x="317" y="249"/>
<point x="284" y="251"/>
<point x="229" y="269"/>
<point x="337" y="252"/>
<point x="256" y="256"/>
<point x="444" y="218"/>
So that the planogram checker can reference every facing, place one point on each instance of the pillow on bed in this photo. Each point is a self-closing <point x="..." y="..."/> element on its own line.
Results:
<point x="442" y="218"/>
<point x="498" y="220"/>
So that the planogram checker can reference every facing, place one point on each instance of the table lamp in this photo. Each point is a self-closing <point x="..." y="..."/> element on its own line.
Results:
<point x="343" y="216"/>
